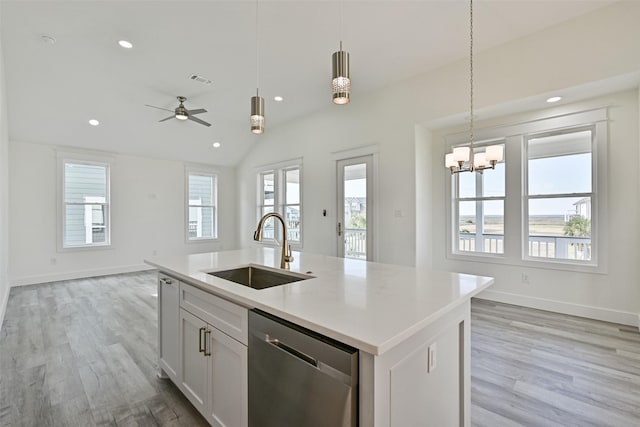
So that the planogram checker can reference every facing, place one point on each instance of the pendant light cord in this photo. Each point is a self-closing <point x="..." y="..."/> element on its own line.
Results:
<point x="471" y="76"/>
<point x="257" y="55"/>
<point x="340" y="28"/>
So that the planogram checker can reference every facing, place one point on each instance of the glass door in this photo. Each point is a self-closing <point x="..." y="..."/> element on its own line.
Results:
<point x="355" y="213"/>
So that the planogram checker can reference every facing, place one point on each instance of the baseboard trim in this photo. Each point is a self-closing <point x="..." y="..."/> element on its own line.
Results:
<point x="71" y="275"/>
<point x="590" y="312"/>
<point x="3" y="305"/>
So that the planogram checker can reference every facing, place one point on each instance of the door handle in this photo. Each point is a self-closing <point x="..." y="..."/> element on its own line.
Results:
<point x="339" y="229"/>
<point x="200" y="340"/>
<point x="206" y="352"/>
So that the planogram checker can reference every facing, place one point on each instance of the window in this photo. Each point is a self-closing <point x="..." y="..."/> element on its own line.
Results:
<point x="546" y="204"/>
<point x="202" y="215"/>
<point x="279" y="191"/>
<point x="479" y="207"/>
<point x="558" y="198"/>
<point x="85" y="204"/>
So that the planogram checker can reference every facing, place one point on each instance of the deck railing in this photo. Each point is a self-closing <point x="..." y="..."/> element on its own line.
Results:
<point x="560" y="247"/>
<point x="355" y="243"/>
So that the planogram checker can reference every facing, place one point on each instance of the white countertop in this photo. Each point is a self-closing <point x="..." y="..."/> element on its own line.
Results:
<point x="367" y="305"/>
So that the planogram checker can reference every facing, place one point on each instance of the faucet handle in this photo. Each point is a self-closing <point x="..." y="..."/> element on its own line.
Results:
<point x="288" y="257"/>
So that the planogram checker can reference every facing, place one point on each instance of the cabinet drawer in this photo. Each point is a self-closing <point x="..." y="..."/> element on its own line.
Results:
<point x="224" y="315"/>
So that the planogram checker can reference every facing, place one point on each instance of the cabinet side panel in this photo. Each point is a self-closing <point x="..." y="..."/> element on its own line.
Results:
<point x="168" y="324"/>
<point x="420" y="393"/>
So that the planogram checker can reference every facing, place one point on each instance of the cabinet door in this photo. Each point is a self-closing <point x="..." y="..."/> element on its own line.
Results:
<point x="168" y="324"/>
<point x="193" y="362"/>
<point x="228" y="387"/>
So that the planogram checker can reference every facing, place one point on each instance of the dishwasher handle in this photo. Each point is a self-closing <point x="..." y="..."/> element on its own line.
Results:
<point x="292" y="351"/>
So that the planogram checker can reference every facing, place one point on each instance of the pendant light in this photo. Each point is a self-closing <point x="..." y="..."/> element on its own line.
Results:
<point x="463" y="159"/>
<point x="257" y="102"/>
<point x="340" y="83"/>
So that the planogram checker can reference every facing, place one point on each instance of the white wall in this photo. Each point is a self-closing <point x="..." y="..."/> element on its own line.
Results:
<point x="147" y="214"/>
<point x="595" y="49"/>
<point x="363" y="122"/>
<point x="614" y="295"/>
<point x="4" y="192"/>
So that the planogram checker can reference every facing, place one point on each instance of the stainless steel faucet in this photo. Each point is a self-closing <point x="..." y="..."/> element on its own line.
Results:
<point x="286" y="247"/>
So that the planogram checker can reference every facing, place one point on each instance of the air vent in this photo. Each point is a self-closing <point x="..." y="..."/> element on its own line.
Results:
<point x="200" y="79"/>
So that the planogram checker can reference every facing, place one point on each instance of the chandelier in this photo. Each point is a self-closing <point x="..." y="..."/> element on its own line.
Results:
<point x="464" y="159"/>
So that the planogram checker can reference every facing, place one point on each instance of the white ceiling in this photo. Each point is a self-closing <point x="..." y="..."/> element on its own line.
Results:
<point x="54" y="89"/>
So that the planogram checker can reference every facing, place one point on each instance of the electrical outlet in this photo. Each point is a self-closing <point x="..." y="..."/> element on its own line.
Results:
<point x="154" y="252"/>
<point x="525" y="278"/>
<point x="431" y="358"/>
<point x="53" y="260"/>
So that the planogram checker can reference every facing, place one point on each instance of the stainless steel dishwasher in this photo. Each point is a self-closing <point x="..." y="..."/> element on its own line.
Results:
<point x="298" y="377"/>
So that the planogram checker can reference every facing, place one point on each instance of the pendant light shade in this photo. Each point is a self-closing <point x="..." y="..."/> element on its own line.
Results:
<point x="341" y="83"/>
<point x="257" y="114"/>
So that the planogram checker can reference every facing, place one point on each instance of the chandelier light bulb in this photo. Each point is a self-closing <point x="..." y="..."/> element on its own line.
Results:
<point x="461" y="154"/>
<point x="495" y="153"/>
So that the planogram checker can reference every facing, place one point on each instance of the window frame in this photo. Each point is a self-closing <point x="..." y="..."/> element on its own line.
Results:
<point x="479" y="184"/>
<point x="280" y="204"/>
<point x="208" y="172"/>
<point x="526" y="197"/>
<point x="515" y="211"/>
<point x="65" y="158"/>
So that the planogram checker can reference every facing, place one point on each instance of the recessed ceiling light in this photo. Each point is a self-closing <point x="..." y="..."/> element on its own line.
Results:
<point x="554" y="99"/>
<point x="125" y="44"/>
<point x="278" y="98"/>
<point x="216" y="145"/>
<point x="94" y="122"/>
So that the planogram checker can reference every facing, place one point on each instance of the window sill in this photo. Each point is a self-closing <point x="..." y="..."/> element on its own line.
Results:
<point x="203" y="240"/>
<point x="85" y="248"/>
<point x="543" y="263"/>
<point x="277" y="244"/>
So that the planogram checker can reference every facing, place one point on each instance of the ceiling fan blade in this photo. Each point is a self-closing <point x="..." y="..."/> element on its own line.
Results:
<point x="170" y="117"/>
<point x="197" y="120"/>
<point x="159" y="108"/>
<point x="197" y="111"/>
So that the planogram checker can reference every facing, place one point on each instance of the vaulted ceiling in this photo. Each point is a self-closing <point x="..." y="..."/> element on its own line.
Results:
<point x="55" y="88"/>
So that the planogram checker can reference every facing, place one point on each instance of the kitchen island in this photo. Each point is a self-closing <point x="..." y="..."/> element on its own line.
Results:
<point x="411" y="328"/>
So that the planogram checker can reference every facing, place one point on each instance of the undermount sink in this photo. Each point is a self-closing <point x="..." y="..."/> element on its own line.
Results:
<point x="259" y="278"/>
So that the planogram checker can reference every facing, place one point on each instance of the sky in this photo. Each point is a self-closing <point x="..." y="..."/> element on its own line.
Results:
<point x="549" y="175"/>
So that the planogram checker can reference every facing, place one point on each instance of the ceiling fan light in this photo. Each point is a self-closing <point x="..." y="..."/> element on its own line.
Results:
<point x="181" y="112"/>
<point x="257" y="114"/>
<point x="341" y="83"/>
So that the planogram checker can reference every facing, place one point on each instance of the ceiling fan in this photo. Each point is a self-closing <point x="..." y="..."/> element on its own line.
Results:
<point x="182" y="113"/>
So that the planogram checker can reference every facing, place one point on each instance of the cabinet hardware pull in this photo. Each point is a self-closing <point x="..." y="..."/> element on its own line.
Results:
<point x="206" y="352"/>
<point x="165" y="281"/>
<point x="200" y="340"/>
<point x="292" y="351"/>
<point x="339" y="229"/>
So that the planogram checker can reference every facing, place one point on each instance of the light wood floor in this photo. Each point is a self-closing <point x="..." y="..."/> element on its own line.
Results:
<point x="536" y="368"/>
<point x="83" y="353"/>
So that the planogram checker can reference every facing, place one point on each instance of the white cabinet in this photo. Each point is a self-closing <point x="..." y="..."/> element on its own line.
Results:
<point x="193" y="362"/>
<point x="168" y="323"/>
<point x="228" y="384"/>
<point x="212" y="363"/>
